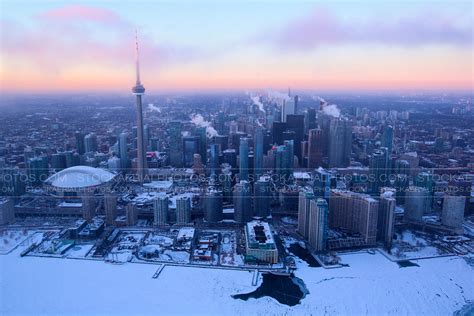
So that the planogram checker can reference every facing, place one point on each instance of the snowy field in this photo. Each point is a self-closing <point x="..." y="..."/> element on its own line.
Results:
<point x="371" y="285"/>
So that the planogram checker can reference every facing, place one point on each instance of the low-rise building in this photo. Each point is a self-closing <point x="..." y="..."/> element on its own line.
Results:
<point x="259" y="242"/>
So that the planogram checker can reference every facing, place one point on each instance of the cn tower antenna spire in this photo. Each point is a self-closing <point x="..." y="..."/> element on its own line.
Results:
<point x="137" y="59"/>
<point x="139" y="90"/>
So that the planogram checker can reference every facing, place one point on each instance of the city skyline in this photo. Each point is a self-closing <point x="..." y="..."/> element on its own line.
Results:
<point x="343" y="45"/>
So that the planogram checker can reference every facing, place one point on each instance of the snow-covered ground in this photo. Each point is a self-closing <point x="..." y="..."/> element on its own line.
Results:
<point x="9" y="239"/>
<point x="410" y="246"/>
<point x="79" y="250"/>
<point x="370" y="285"/>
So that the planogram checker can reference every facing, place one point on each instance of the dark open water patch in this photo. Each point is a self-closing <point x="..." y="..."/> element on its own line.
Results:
<point x="288" y="290"/>
<point x="406" y="264"/>
<point x="304" y="254"/>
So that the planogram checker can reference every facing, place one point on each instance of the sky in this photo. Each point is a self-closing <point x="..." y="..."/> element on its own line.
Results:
<point x="48" y="46"/>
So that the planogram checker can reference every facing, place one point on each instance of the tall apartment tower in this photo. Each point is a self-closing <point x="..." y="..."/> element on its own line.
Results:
<point x="213" y="205"/>
<point x="123" y="151"/>
<point x="88" y="205"/>
<point x="416" y="203"/>
<point x="354" y="212"/>
<point x="139" y="90"/>
<point x="288" y="107"/>
<point x="303" y="212"/>
<point x="183" y="210"/>
<point x="258" y="153"/>
<point x="318" y="224"/>
<point x="262" y="196"/>
<point x="242" y="202"/>
<point x="315" y="147"/>
<point x="452" y="214"/>
<point x="378" y="170"/>
<point x="340" y="142"/>
<point x="244" y="159"/>
<point x="110" y="204"/>
<point x="90" y="143"/>
<point x="176" y="144"/>
<point x="161" y="211"/>
<point x="386" y="218"/>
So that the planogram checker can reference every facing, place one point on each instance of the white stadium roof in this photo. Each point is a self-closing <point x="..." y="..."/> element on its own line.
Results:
<point x="80" y="177"/>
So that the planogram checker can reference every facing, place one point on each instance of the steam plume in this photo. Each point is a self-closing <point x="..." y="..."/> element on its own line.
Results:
<point x="198" y="120"/>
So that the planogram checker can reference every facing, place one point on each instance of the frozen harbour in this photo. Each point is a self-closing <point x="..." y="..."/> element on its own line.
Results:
<point x="370" y="285"/>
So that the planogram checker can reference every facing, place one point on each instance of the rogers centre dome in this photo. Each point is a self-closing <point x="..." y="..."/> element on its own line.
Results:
<point x="80" y="177"/>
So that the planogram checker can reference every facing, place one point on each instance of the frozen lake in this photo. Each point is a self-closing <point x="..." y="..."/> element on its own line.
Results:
<point x="370" y="285"/>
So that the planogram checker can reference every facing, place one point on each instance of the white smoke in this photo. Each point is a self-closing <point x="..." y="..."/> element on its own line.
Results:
<point x="198" y="120"/>
<point x="153" y="108"/>
<point x="318" y="98"/>
<point x="332" y="110"/>
<point x="256" y="101"/>
<point x="329" y="109"/>
<point x="258" y="122"/>
<point x="278" y="95"/>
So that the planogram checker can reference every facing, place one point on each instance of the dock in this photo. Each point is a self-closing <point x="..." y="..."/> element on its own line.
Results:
<point x="255" y="277"/>
<point x="158" y="271"/>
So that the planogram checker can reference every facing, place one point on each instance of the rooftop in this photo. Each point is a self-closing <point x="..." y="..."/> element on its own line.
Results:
<point x="259" y="233"/>
<point x="80" y="177"/>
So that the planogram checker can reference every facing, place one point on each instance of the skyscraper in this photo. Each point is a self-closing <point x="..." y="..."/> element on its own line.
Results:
<point x="288" y="107"/>
<point x="110" y="205"/>
<point x="244" y="159"/>
<point x="80" y="143"/>
<point x="309" y="120"/>
<point x="161" y="210"/>
<point x="387" y="138"/>
<point x="378" y="170"/>
<point x="213" y="205"/>
<point x="340" y="142"/>
<point x="452" y="214"/>
<point x="386" y="218"/>
<point x="88" y="205"/>
<point x="295" y="124"/>
<point x="123" y="150"/>
<point x="258" y="153"/>
<point x="138" y="90"/>
<point x="201" y="133"/>
<point x="190" y="147"/>
<point x="303" y="212"/>
<point x="284" y="162"/>
<point x="214" y="158"/>
<point x="175" y="144"/>
<point x="90" y="143"/>
<point x="354" y="212"/>
<point x="416" y="203"/>
<point x="37" y="170"/>
<point x="242" y="202"/>
<point x="318" y="224"/>
<point x="183" y="210"/>
<point x="425" y="180"/>
<point x="315" y="146"/>
<point x="262" y="196"/>
<point x="322" y="183"/>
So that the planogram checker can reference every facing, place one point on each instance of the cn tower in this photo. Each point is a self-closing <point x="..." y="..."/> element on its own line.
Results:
<point x="138" y="90"/>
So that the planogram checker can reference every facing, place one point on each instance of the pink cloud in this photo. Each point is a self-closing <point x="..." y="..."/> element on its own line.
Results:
<point x="74" y="35"/>
<point x="322" y="27"/>
<point x="82" y="13"/>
